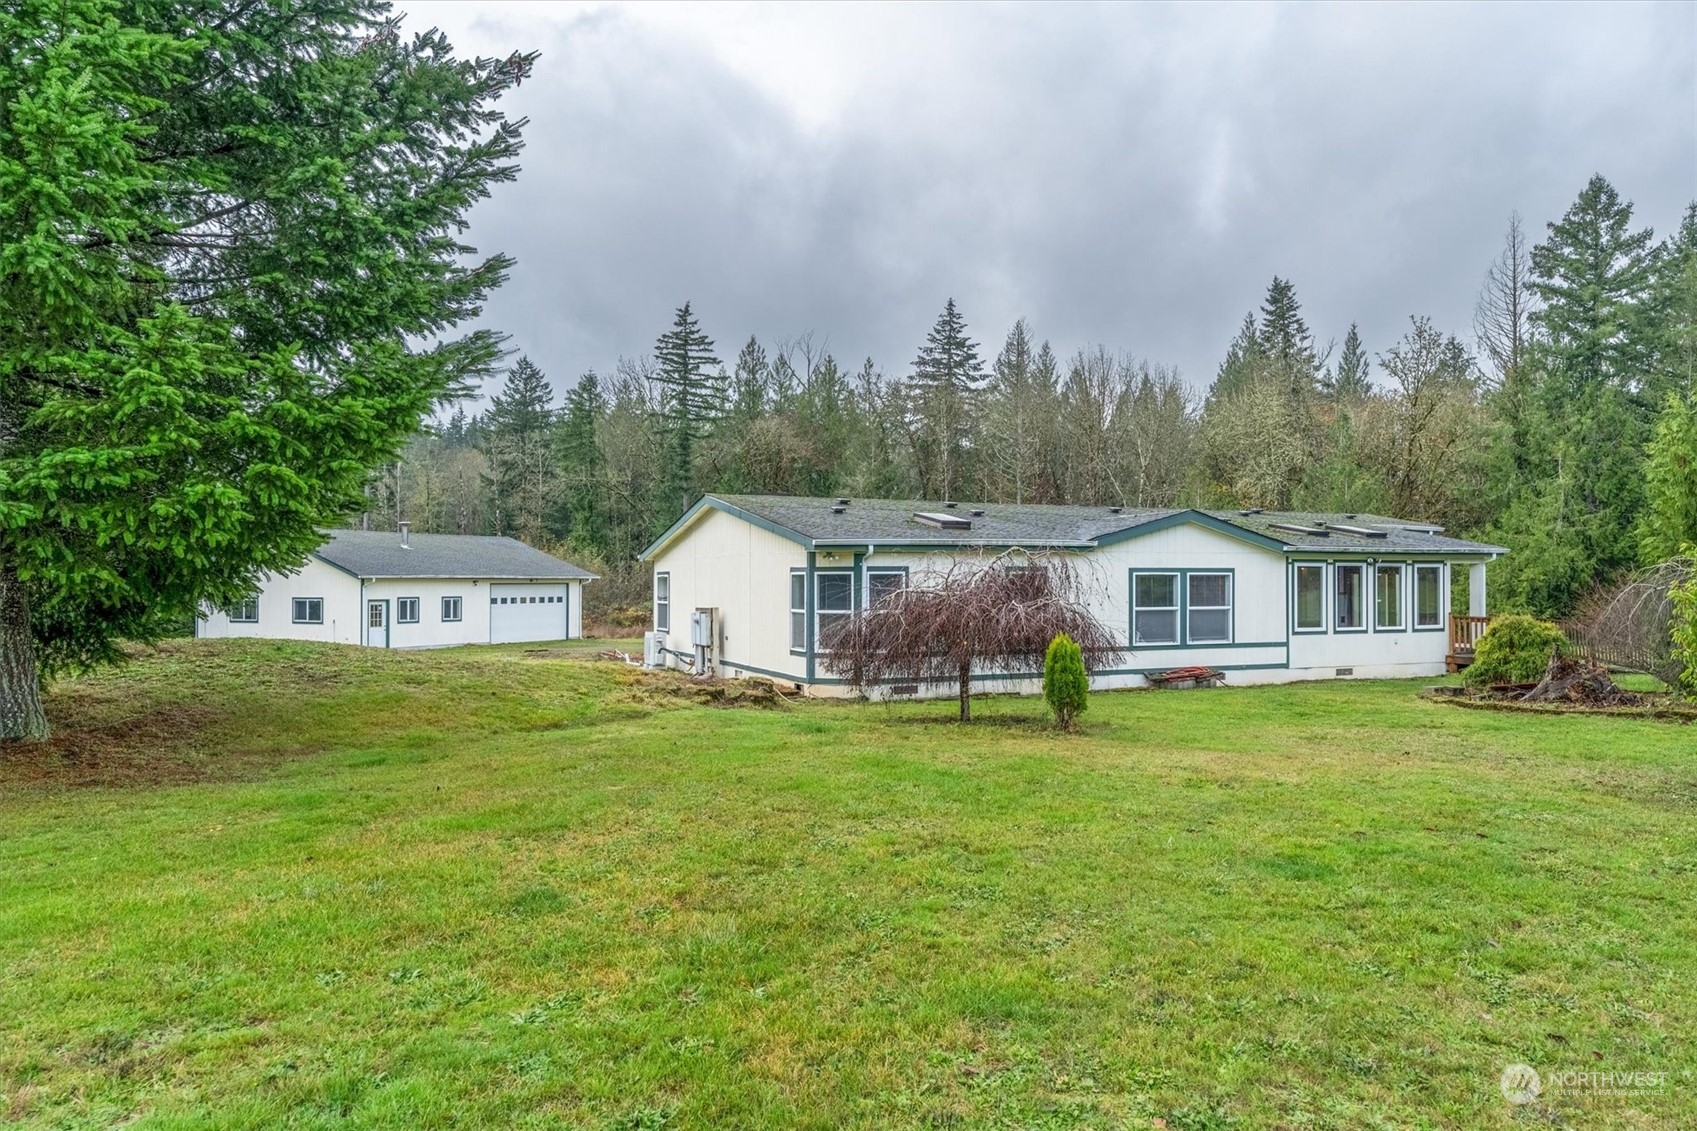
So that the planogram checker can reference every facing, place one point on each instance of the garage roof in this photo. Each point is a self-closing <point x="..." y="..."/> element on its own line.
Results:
<point x="374" y="553"/>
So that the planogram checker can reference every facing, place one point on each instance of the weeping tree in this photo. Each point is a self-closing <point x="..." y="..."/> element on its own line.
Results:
<point x="979" y="615"/>
<point x="230" y="271"/>
<point x="1629" y="627"/>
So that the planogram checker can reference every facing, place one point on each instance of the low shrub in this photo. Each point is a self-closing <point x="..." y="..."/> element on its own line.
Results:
<point x="1515" y="649"/>
<point x="1066" y="685"/>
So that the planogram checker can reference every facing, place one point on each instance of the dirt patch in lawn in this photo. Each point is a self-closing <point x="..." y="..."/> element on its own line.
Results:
<point x="159" y="746"/>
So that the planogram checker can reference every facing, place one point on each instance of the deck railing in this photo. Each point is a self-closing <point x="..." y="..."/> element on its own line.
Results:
<point x="1465" y="633"/>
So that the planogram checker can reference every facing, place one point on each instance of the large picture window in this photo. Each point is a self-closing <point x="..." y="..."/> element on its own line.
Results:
<point x="308" y="610"/>
<point x="1154" y="608"/>
<point x="1428" y="596"/>
<point x="1387" y="597"/>
<point x="1349" y="597"/>
<point x="1208" y="608"/>
<point x="798" y="611"/>
<point x="663" y="602"/>
<point x="834" y="604"/>
<point x="1311" y="597"/>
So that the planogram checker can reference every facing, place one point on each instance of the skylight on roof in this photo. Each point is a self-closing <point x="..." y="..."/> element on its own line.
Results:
<point x="1293" y="528"/>
<point x="1362" y="531"/>
<point x="943" y="521"/>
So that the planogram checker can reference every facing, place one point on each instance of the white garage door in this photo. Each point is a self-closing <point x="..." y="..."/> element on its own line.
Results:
<point x="528" y="612"/>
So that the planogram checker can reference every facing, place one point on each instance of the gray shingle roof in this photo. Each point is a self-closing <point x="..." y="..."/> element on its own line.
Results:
<point x="892" y="521"/>
<point x="375" y="553"/>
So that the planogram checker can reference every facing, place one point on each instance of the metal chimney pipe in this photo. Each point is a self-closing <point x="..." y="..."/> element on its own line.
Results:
<point x="406" y="528"/>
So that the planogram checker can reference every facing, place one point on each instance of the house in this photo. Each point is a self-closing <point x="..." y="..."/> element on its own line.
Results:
<point x="1261" y="596"/>
<point x="403" y="590"/>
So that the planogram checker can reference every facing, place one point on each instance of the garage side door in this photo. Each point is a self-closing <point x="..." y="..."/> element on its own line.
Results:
<point x="528" y="612"/>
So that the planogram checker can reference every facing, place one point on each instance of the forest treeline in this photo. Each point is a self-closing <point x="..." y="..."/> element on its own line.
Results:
<point x="1559" y="425"/>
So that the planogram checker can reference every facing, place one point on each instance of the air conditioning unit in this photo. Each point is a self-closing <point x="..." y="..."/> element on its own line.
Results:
<point x="654" y="649"/>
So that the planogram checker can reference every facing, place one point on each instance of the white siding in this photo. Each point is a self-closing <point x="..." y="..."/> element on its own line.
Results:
<point x="743" y="571"/>
<point x="345" y="609"/>
<point x="338" y="590"/>
<point x="431" y="631"/>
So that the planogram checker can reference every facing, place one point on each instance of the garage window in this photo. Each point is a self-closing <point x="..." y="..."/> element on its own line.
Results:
<point x="244" y="612"/>
<point x="406" y="610"/>
<point x="308" y="610"/>
<point x="451" y="607"/>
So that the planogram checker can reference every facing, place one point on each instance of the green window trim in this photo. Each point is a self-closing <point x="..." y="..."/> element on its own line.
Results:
<point x="1297" y="627"/>
<point x="1440" y="594"/>
<point x="1181" y="609"/>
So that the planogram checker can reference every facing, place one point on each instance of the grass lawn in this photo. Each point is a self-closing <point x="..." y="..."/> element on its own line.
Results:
<point x="258" y="884"/>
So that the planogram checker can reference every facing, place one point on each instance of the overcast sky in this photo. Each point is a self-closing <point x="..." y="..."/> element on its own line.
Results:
<point x="1131" y="175"/>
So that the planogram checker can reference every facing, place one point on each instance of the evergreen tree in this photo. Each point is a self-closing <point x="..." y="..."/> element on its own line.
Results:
<point x="1284" y="335"/>
<point x="1587" y="437"/>
<point x="1019" y="416"/>
<point x="1673" y="311"/>
<point x="1351" y="380"/>
<point x="518" y="441"/>
<point x="693" y="389"/>
<point x="751" y="383"/>
<point x="947" y="378"/>
<point x="222" y="230"/>
<point x="577" y="442"/>
<point x="1242" y="363"/>
<point x="1670" y="518"/>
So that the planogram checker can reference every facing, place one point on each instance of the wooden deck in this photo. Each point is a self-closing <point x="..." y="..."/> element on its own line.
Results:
<point x="1464" y="638"/>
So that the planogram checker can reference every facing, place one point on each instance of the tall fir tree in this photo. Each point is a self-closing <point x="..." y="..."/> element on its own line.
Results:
<point x="1285" y="339"/>
<point x="1242" y="362"/>
<point x="1350" y="381"/>
<point x="578" y="444"/>
<point x="1584" y="486"/>
<point x="518" y="441"/>
<point x="947" y="378"/>
<point x="1020" y="415"/>
<point x="693" y="386"/>
<point x="225" y="231"/>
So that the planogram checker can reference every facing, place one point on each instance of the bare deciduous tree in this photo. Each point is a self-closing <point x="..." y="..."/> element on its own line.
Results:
<point x="977" y="615"/>
<point x="1502" y="319"/>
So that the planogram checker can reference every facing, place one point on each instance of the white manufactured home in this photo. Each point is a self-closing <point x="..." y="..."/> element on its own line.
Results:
<point x="401" y="590"/>
<point x="1260" y="596"/>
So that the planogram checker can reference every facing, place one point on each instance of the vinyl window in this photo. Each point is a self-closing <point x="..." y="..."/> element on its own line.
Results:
<point x="1311" y="597"/>
<point x="798" y="611"/>
<point x="833" y="598"/>
<point x="1208" y="608"/>
<point x="452" y="607"/>
<point x="1154" y="608"/>
<point x="882" y="583"/>
<point x="1349" y="597"/>
<point x="1428" y="596"/>
<point x="663" y="602"/>
<point x="244" y="612"/>
<point x="1387" y="597"/>
<point x="406" y="610"/>
<point x="308" y="610"/>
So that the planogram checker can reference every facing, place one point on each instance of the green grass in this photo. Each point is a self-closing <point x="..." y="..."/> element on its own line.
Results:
<point x="259" y="884"/>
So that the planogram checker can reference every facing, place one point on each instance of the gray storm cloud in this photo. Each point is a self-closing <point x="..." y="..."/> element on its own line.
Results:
<point x="1125" y="175"/>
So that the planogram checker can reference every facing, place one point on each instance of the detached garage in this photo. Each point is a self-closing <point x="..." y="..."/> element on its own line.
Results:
<point x="401" y="590"/>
